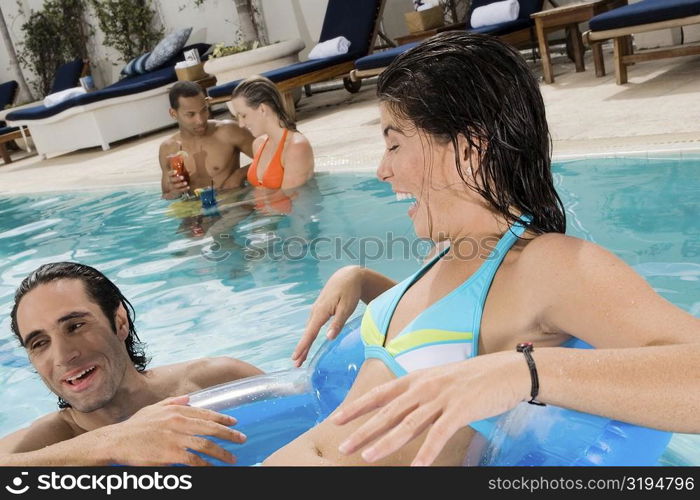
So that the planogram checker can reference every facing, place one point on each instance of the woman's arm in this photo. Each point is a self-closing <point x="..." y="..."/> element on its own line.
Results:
<point x="338" y="300"/>
<point x="298" y="162"/>
<point x="643" y="371"/>
<point x="645" y="368"/>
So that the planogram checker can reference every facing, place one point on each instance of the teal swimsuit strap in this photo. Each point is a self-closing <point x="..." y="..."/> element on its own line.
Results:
<point x="386" y="315"/>
<point x="489" y="268"/>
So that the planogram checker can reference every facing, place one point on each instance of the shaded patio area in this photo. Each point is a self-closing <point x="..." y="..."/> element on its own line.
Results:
<point x="656" y="112"/>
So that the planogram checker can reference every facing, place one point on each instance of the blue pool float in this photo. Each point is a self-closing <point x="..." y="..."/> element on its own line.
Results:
<point x="274" y="409"/>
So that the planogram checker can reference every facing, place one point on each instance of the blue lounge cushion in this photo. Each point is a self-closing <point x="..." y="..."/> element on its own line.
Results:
<point x="128" y="86"/>
<point x="644" y="12"/>
<point x="8" y="91"/>
<point x="527" y="7"/>
<point x="202" y="48"/>
<point x="67" y="76"/>
<point x="383" y="58"/>
<point x="137" y="66"/>
<point x="169" y="46"/>
<point x="7" y="130"/>
<point x="284" y="73"/>
<point x="354" y="20"/>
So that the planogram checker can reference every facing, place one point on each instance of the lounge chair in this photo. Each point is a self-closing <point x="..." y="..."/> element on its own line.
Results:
<point x="68" y="75"/>
<point x="129" y="107"/>
<point x="648" y="15"/>
<point x="356" y="20"/>
<point x="8" y="93"/>
<point x="8" y="134"/>
<point x="518" y="33"/>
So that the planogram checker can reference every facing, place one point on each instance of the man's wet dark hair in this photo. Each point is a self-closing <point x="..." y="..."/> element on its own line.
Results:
<point x="100" y="289"/>
<point x="183" y="89"/>
<point x="458" y="83"/>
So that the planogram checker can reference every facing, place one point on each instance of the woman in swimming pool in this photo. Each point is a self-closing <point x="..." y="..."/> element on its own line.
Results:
<point x="466" y="135"/>
<point x="283" y="157"/>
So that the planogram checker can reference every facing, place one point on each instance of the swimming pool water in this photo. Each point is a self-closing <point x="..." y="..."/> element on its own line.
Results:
<point x="246" y="291"/>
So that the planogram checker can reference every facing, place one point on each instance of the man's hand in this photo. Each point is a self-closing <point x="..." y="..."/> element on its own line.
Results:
<point x="168" y="433"/>
<point x="178" y="186"/>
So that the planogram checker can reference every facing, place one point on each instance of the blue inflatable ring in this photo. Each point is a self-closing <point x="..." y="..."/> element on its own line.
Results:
<point x="274" y="409"/>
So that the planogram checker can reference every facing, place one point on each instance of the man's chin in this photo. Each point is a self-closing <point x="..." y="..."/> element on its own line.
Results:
<point x="89" y="408"/>
<point x="86" y="406"/>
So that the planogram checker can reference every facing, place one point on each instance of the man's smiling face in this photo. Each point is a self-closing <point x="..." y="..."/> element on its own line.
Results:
<point x="72" y="344"/>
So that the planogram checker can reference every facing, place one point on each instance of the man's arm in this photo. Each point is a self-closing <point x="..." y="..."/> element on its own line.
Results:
<point x="47" y="430"/>
<point x="240" y="138"/>
<point x="164" y="433"/>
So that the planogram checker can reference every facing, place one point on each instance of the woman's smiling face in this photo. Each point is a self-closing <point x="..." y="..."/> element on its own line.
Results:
<point x="420" y="167"/>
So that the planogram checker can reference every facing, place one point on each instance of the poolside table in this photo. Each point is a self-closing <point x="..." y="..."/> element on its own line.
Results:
<point x="568" y="17"/>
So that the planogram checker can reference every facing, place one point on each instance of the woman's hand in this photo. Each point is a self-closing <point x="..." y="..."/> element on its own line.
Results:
<point x="338" y="299"/>
<point x="445" y="398"/>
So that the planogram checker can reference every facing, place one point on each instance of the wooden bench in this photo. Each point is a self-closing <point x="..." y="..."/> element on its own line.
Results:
<point x="622" y="44"/>
<point x="11" y="136"/>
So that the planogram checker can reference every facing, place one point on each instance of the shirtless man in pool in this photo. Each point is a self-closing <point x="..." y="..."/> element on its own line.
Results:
<point x="78" y="332"/>
<point x="213" y="147"/>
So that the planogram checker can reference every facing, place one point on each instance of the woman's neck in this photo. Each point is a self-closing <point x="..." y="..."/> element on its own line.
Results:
<point x="479" y="225"/>
<point x="275" y="134"/>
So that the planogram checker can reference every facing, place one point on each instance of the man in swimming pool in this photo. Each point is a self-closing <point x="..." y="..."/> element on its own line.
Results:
<point x="212" y="147"/>
<point x="78" y="331"/>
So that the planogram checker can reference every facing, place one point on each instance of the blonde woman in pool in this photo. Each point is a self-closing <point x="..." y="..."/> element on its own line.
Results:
<point x="466" y="136"/>
<point x="283" y="158"/>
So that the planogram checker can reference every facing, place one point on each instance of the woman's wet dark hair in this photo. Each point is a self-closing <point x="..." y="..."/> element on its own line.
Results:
<point x="259" y="90"/>
<point x="457" y="83"/>
<point x="100" y="289"/>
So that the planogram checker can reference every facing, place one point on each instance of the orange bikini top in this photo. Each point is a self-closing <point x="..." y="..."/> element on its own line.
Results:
<point x="272" y="178"/>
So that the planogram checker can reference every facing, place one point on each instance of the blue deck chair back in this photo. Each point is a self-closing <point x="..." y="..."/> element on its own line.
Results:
<point x="67" y="76"/>
<point x="355" y="20"/>
<point x="8" y="92"/>
<point x="527" y="7"/>
<point x="645" y="12"/>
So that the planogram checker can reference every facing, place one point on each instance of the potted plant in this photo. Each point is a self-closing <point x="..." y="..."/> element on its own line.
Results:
<point x="233" y="62"/>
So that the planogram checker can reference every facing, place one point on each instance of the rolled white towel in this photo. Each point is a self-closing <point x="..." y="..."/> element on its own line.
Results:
<point x="333" y="47"/>
<point x="63" y="95"/>
<point x="495" y="13"/>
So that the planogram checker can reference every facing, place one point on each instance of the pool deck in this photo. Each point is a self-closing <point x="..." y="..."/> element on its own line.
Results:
<point x="656" y="114"/>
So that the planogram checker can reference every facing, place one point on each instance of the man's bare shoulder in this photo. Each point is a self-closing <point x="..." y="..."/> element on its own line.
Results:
<point x="171" y="143"/>
<point x="230" y="131"/>
<point x="47" y="430"/>
<point x="204" y="372"/>
<point x="226" y="126"/>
